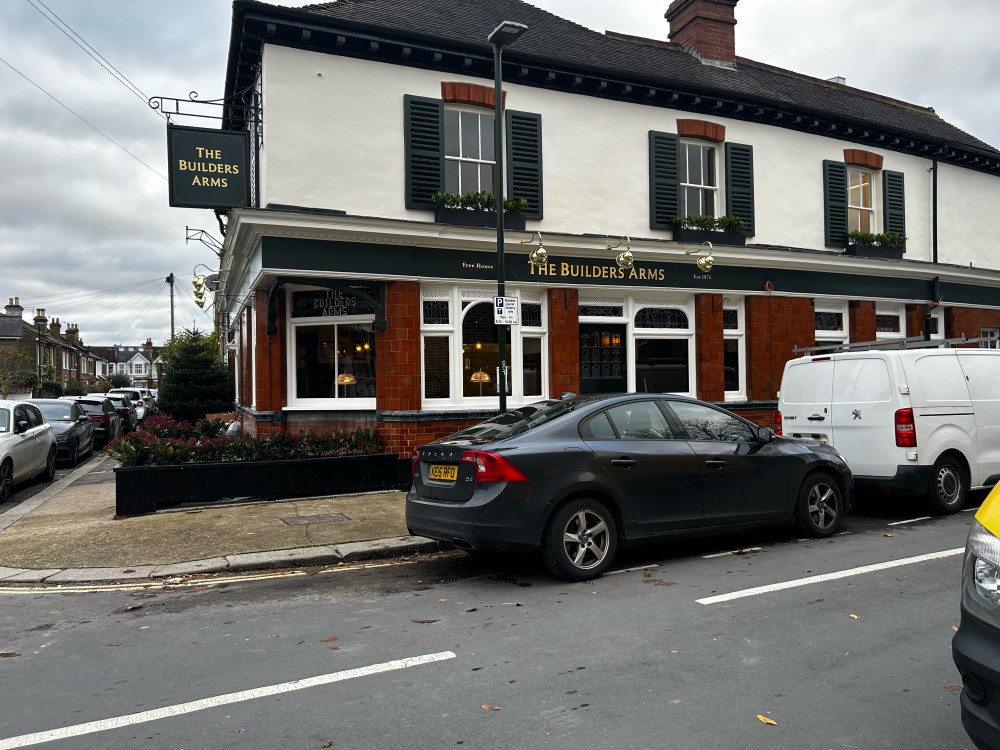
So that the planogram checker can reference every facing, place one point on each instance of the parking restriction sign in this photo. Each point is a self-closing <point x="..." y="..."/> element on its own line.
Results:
<point x="505" y="311"/>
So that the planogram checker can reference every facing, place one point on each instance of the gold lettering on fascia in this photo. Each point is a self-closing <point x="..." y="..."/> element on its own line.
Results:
<point x="597" y="271"/>
<point x="481" y="266"/>
<point x="203" y="168"/>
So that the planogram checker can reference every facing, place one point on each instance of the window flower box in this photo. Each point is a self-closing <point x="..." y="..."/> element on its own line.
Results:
<point x="875" y="251"/>
<point x="697" y="236"/>
<point x="143" y="489"/>
<point x="465" y="217"/>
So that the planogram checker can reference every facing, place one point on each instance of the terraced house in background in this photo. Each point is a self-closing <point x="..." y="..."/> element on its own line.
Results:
<point x="352" y="294"/>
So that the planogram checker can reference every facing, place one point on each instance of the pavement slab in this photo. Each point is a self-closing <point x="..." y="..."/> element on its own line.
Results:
<point x="6" y="573"/>
<point x="78" y="575"/>
<point x="192" y="567"/>
<point x="323" y="555"/>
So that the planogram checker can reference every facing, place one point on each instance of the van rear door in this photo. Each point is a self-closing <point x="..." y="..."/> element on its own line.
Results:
<point x="806" y="390"/>
<point x="864" y="409"/>
<point x="982" y="371"/>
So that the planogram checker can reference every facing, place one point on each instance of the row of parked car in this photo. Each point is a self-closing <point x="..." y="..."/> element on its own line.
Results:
<point x="36" y="433"/>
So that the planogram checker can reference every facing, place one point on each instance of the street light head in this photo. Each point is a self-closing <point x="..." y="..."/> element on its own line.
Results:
<point x="506" y="33"/>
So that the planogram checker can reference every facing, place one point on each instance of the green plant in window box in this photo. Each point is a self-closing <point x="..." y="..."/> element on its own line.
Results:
<point x="732" y="224"/>
<point x="474" y="201"/>
<point x="889" y="239"/>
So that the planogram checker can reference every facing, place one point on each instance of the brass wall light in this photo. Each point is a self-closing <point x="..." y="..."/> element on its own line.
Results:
<point x="624" y="259"/>
<point x="538" y="256"/>
<point x="705" y="262"/>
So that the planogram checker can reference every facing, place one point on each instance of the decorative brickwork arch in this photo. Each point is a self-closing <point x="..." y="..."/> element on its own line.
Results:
<point x="703" y="130"/>
<point x="454" y="92"/>
<point x="858" y="158"/>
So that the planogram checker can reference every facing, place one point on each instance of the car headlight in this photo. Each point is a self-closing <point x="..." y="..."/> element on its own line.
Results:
<point x="981" y="575"/>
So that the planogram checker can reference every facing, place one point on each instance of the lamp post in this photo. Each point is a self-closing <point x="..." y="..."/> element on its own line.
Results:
<point x="504" y="34"/>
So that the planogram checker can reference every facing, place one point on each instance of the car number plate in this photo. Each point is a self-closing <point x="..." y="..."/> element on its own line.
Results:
<point x="440" y="471"/>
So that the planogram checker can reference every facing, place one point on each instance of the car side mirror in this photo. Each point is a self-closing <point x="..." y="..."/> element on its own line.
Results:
<point x="21" y="427"/>
<point x="83" y="418"/>
<point x="765" y="434"/>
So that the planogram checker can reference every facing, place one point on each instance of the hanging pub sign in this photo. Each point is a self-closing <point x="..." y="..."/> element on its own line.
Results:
<point x="208" y="168"/>
<point x="330" y="302"/>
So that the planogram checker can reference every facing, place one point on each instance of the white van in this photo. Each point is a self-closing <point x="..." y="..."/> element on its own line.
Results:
<point x="919" y="421"/>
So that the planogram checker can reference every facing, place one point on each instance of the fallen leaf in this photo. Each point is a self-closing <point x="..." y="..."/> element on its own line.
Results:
<point x="423" y="622"/>
<point x="229" y="622"/>
<point x="672" y="651"/>
<point x="955" y="628"/>
<point x="767" y="720"/>
<point x="331" y="639"/>
<point x="130" y="607"/>
<point x="194" y="643"/>
<point x="952" y="688"/>
<point x="854" y="617"/>
<point x="659" y="582"/>
<point x="334" y="648"/>
<point x="275" y="636"/>
<point x="327" y="744"/>
<point x="240" y="731"/>
<point x="887" y="535"/>
<point x="8" y="654"/>
<point x="474" y="609"/>
<point x="442" y="600"/>
<point x="488" y="707"/>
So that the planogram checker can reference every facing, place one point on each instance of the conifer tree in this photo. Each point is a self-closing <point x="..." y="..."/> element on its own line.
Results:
<point x="195" y="382"/>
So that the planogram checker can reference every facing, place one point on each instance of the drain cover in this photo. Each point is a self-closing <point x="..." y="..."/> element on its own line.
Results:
<point x="324" y="518"/>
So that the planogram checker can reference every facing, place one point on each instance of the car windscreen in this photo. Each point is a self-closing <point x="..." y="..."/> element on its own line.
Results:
<point x="91" y="407"/>
<point x="4" y="420"/>
<point x="517" y="421"/>
<point x="60" y="412"/>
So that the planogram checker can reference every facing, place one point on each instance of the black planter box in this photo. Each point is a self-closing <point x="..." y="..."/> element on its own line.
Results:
<point x="143" y="489"/>
<point x="875" y="251"/>
<point x="463" y="217"/>
<point x="687" y="234"/>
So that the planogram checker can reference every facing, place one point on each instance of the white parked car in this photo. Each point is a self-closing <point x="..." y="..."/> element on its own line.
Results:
<point x="921" y="421"/>
<point x="140" y="400"/>
<point x="27" y="446"/>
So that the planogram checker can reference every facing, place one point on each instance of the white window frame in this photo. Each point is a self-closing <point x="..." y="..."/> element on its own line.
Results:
<point x="938" y="314"/>
<point x="685" y="303"/>
<point x="833" y="337"/>
<point x="291" y="325"/>
<point x="991" y="336"/>
<point x="898" y="311"/>
<point x="872" y="209"/>
<point x="717" y="201"/>
<point x="739" y="334"/>
<point x="469" y="160"/>
<point x="455" y="295"/>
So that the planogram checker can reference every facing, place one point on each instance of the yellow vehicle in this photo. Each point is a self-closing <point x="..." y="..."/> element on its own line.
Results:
<point x="976" y="645"/>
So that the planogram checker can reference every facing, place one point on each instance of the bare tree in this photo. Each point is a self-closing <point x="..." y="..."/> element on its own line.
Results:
<point x="16" y="371"/>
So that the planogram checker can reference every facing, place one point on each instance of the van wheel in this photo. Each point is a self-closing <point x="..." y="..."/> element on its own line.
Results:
<point x="820" y="507"/>
<point x="946" y="492"/>
<point x="580" y="541"/>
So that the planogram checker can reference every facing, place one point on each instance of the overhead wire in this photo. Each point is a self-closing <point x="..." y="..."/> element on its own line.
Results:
<point x="134" y="319"/>
<point x="48" y="14"/>
<point x="88" y="293"/>
<point x="83" y="119"/>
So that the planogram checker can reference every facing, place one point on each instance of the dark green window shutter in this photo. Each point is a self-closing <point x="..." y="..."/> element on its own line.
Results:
<point x="524" y="160"/>
<point x="894" y="205"/>
<point x="424" y="136"/>
<point x="835" y="202"/>
<point x="739" y="183"/>
<point x="664" y="179"/>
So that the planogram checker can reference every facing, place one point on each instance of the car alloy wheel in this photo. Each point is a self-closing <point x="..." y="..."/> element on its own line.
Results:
<point x="820" y="506"/>
<point x="50" y="466"/>
<point x="946" y="494"/>
<point x="581" y="540"/>
<point x="6" y="480"/>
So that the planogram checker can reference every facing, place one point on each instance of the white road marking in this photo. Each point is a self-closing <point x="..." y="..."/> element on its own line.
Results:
<point x="629" y="570"/>
<point x="733" y="552"/>
<point x="827" y="577"/>
<point x="909" y="520"/>
<point x="179" y="709"/>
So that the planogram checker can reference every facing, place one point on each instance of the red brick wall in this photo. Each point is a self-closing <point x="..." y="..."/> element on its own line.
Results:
<point x="962" y="321"/>
<point x="861" y="320"/>
<point x="564" y="342"/>
<point x="397" y="361"/>
<point x="775" y="325"/>
<point x="915" y="320"/>
<point x="402" y="437"/>
<point x="709" y="347"/>
<point x="270" y="363"/>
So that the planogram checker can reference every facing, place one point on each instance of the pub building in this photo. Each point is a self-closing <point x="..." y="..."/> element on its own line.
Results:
<point x="352" y="295"/>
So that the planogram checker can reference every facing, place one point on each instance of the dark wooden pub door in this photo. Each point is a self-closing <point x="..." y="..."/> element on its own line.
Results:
<point x="602" y="358"/>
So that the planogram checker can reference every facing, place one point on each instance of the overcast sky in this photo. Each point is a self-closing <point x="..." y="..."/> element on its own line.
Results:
<point x="85" y="229"/>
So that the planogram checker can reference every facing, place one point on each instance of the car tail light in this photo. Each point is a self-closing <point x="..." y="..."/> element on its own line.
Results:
<point x="100" y="418"/>
<point x="906" y="432"/>
<point x="777" y="423"/>
<point x="139" y="402"/>
<point x="416" y="462"/>
<point x="493" y="468"/>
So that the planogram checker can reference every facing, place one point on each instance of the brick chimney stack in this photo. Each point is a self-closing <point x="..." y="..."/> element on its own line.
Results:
<point x="13" y="307"/>
<point x="54" y="327"/>
<point x="706" y="26"/>
<point x="73" y="333"/>
<point x="40" y="320"/>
